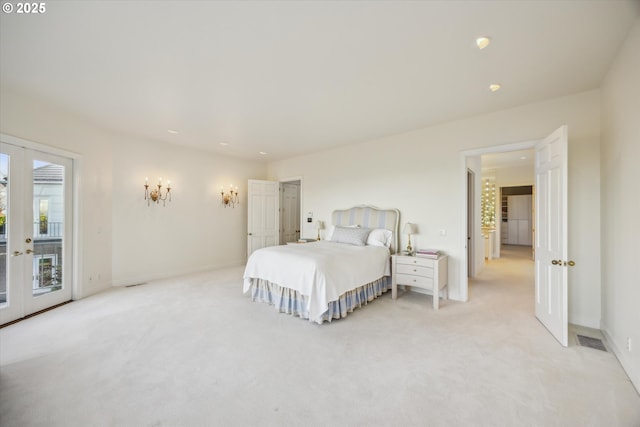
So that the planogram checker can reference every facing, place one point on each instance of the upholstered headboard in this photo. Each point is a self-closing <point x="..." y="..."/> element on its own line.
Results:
<point x="370" y="217"/>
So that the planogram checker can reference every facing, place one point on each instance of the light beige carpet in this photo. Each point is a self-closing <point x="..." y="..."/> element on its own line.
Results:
<point x="194" y="351"/>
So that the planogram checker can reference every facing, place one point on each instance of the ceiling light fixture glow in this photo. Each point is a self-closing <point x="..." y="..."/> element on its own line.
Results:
<point x="482" y="42"/>
<point x="224" y="144"/>
<point x="174" y="132"/>
<point x="494" y="87"/>
<point x="263" y="153"/>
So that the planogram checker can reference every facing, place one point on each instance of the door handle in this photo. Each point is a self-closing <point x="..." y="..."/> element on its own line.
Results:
<point x="16" y="253"/>
<point x="563" y="263"/>
<point x="29" y="251"/>
<point x="250" y="234"/>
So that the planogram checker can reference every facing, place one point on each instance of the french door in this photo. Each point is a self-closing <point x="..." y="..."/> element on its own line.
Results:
<point x="35" y="231"/>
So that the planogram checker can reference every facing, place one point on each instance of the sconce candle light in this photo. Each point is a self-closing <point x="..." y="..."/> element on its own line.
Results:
<point x="230" y="198"/>
<point x="156" y="194"/>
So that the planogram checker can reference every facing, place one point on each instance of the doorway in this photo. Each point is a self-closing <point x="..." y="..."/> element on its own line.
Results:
<point x="551" y="231"/>
<point x="516" y="224"/>
<point x="290" y="208"/>
<point x="472" y="160"/>
<point x="36" y="224"/>
<point x="264" y="207"/>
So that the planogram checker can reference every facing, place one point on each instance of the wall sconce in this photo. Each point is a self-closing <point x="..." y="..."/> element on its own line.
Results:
<point x="409" y="229"/>
<point x="156" y="195"/>
<point x="230" y="198"/>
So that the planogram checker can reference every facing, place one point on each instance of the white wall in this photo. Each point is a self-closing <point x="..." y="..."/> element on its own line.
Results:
<point x="35" y="121"/>
<point x="122" y="241"/>
<point x="192" y="233"/>
<point x="621" y="204"/>
<point x="420" y="173"/>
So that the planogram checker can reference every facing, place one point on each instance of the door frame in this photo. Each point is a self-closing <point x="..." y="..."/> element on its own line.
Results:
<point x="516" y="146"/>
<point x="76" y="161"/>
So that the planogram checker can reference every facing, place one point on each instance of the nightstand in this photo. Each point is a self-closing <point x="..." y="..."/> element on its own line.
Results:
<point x="425" y="273"/>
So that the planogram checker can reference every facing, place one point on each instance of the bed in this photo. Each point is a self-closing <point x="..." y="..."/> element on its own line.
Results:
<point x="327" y="279"/>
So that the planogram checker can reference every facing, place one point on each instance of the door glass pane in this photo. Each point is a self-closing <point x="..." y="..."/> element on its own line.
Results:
<point x="48" y="227"/>
<point x="4" y="258"/>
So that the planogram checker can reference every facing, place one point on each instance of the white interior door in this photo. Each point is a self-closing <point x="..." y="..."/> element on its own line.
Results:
<point x="470" y="222"/>
<point x="290" y="213"/>
<point x="35" y="231"/>
<point x="262" y="215"/>
<point x="552" y="234"/>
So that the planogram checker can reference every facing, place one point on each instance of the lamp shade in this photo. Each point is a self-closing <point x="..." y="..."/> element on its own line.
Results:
<point x="409" y="228"/>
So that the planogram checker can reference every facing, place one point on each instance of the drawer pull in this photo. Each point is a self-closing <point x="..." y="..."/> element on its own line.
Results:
<point x="414" y="280"/>
<point x="414" y="270"/>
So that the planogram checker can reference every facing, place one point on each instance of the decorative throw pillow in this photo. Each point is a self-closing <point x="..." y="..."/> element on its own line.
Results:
<point x="333" y="227"/>
<point x="351" y="235"/>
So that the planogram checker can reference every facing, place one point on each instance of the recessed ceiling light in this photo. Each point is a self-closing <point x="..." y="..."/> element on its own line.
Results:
<point x="523" y="158"/>
<point x="224" y="144"/>
<point x="494" y="87"/>
<point x="172" y="131"/>
<point x="482" y="42"/>
<point x="264" y="153"/>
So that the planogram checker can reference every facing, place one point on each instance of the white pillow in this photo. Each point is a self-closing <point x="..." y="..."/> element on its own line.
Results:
<point x="351" y="235"/>
<point x="380" y="237"/>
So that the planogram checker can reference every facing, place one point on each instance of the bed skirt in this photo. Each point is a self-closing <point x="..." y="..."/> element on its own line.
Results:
<point x="289" y="301"/>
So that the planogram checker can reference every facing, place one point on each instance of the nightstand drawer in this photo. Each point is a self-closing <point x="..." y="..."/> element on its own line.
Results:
<point x="416" y="270"/>
<point x="411" y="280"/>
<point x="423" y="262"/>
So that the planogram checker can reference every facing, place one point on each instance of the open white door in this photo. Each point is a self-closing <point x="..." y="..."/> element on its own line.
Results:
<point x="551" y="234"/>
<point x="289" y="213"/>
<point x="262" y="221"/>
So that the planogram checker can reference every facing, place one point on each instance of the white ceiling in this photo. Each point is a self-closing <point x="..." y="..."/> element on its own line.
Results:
<point x="296" y="77"/>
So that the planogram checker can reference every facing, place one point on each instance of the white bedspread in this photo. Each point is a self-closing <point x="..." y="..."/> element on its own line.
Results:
<point x="322" y="270"/>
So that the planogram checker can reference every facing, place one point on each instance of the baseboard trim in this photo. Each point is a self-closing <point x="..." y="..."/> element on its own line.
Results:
<point x="623" y="359"/>
<point x="134" y="280"/>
